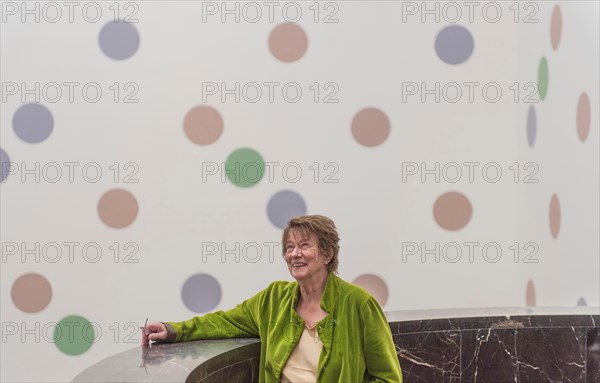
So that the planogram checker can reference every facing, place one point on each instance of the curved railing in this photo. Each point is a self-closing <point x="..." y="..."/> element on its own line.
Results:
<point x="464" y="345"/>
<point x="228" y="360"/>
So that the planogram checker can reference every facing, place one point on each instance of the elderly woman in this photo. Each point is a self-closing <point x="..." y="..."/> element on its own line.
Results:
<point x="317" y="329"/>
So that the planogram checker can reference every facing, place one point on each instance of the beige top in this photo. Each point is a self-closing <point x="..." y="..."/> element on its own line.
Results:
<point x="302" y="365"/>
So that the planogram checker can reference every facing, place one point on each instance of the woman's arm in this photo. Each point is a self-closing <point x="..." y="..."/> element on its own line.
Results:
<point x="380" y="351"/>
<point x="243" y="321"/>
<point x="239" y="322"/>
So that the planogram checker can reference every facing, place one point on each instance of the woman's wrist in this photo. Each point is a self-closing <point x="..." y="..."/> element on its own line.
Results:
<point x="171" y="334"/>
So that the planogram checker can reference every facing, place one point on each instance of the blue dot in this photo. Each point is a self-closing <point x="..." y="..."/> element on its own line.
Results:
<point x="119" y="40"/>
<point x="284" y="206"/>
<point x="4" y="164"/>
<point x="531" y="126"/>
<point x="454" y="44"/>
<point x="201" y="293"/>
<point x="33" y="123"/>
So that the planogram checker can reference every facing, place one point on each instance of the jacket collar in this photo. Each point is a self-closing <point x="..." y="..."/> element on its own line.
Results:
<point x="329" y="298"/>
<point x="330" y="294"/>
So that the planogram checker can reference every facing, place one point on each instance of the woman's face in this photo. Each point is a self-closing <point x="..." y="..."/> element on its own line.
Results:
<point x="303" y="256"/>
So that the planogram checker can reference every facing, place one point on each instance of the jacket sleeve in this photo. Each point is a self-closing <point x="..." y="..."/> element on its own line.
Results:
<point x="380" y="352"/>
<point x="240" y="322"/>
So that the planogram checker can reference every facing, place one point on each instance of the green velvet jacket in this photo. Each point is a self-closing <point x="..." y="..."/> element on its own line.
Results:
<point x="357" y="341"/>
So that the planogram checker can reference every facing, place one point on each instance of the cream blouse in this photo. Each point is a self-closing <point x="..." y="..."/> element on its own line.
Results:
<point x="302" y="365"/>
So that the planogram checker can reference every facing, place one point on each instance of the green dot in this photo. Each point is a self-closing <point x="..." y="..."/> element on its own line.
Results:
<point x="74" y="335"/>
<point x="543" y="78"/>
<point x="245" y="167"/>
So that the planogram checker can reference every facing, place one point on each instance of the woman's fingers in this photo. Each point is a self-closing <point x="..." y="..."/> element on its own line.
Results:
<point x="153" y="331"/>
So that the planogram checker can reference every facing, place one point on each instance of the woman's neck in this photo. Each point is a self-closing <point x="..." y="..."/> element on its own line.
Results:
<point x="311" y="290"/>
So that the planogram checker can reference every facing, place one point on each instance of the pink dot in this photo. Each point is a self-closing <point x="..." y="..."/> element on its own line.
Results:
<point x="452" y="210"/>
<point x="370" y="127"/>
<point x="203" y="125"/>
<point x="530" y="294"/>
<point x="117" y="208"/>
<point x="555" y="27"/>
<point x="31" y="293"/>
<point x="288" y="42"/>
<point x="584" y="117"/>
<point x="375" y="286"/>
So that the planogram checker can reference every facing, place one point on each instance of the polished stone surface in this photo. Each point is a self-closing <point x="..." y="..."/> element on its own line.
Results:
<point x="478" y="312"/>
<point x="593" y="356"/>
<point x="455" y="345"/>
<point x="527" y="355"/>
<point x="180" y="362"/>
<point x="521" y="345"/>
<point x="431" y="357"/>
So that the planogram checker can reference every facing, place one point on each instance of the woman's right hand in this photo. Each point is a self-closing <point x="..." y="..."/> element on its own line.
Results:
<point x="153" y="331"/>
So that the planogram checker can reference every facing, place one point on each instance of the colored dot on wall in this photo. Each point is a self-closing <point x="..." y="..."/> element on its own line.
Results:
<point x="31" y="293"/>
<point x="584" y="117"/>
<point x="555" y="27"/>
<point x="201" y="293"/>
<point x="4" y="165"/>
<point x="203" y="125"/>
<point x="531" y="126"/>
<point x="454" y="44"/>
<point x="554" y="216"/>
<point x="244" y="167"/>
<point x="543" y="78"/>
<point x="370" y="127"/>
<point x="375" y="286"/>
<point x="117" y="208"/>
<point x="530" y="294"/>
<point x="74" y="335"/>
<point x="452" y="210"/>
<point x="581" y="302"/>
<point x="33" y="123"/>
<point x="288" y="42"/>
<point x="283" y="206"/>
<point x="119" y="40"/>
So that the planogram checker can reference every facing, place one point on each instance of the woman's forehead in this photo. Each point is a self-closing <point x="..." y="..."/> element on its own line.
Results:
<point x="299" y="234"/>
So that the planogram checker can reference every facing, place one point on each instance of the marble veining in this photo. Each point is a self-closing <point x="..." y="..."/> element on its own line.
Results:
<point x="521" y="345"/>
<point x="174" y="362"/>
<point x="431" y="356"/>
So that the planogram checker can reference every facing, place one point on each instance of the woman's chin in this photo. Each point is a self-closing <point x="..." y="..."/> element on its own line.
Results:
<point x="298" y="273"/>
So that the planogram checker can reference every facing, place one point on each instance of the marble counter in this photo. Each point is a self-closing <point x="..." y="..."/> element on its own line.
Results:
<point x="452" y="345"/>
<point x="227" y="360"/>
<point x="498" y="345"/>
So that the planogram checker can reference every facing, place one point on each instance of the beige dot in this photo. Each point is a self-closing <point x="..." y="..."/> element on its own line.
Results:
<point x="370" y="127"/>
<point x="530" y="294"/>
<point x="554" y="216"/>
<point x="555" y="27"/>
<point x="288" y="42"/>
<point x="203" y="125"/>
<point x="374" y="286"/>
<point x="584" y="117"/>
<point x="452" y="210"/>
<point x="31" y="293"/>
<point x="117" y="208"/>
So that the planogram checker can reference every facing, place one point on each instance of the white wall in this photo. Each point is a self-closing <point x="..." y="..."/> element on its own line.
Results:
<point x="372" y="52"/>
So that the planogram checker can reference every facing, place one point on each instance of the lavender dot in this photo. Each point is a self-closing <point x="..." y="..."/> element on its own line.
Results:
<point x="284" y="206"/>
<point x="4" y="164"/>
<point x="531" y="126"/>
<point x="201" y="293"/>
<point x="454" y="44"/>
<point x="33" y="123"/>
<point x="119" y="40"/>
